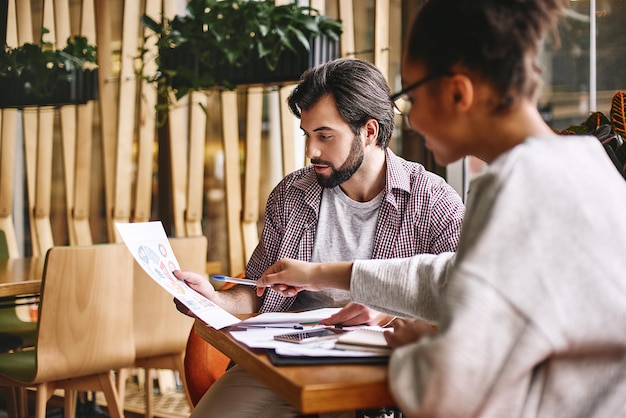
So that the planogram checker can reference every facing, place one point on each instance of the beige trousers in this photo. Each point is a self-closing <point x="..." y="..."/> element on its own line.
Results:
<point x="237" y="394"/>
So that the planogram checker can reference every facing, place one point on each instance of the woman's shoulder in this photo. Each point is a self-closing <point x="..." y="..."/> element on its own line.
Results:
<point x="542" y="156"/>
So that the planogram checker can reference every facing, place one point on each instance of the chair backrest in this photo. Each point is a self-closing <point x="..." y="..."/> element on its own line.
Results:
<point x="85" y="312"/>
<point x="159" y="328"/>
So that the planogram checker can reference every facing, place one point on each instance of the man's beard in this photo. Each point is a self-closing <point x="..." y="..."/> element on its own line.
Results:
<point x="347" y="169"/>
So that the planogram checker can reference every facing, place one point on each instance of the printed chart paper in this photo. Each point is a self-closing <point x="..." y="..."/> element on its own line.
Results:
<point x="149" y="245"/>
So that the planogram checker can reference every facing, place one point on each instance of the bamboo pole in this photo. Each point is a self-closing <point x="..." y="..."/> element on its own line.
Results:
<point x="126" y="116"/>
<point x="84" y="145"/>
<point x="8" y="125"/>
<point x="107" y="106"/>
<point x="252" y="172"/>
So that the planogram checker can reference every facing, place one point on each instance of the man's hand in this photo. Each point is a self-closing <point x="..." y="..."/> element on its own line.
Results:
<point x="356" y="314"/>
<point x="197" y="282"/>
<point x="407" y="331"/>
<point x="237" y="300"/>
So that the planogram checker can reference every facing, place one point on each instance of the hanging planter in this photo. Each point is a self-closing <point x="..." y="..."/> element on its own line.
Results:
<point x="255" y="71"/>
<point x="39" y="75"/>
<point x="70" y="87"/>
<point x="226" y="43"/>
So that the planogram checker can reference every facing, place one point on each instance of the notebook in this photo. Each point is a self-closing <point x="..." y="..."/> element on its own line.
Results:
<point x="363" y="340"/>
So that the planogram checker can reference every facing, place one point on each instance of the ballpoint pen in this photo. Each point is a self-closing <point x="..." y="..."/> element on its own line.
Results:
<point x="245" y="327"/>
<point x="238" y="280"/>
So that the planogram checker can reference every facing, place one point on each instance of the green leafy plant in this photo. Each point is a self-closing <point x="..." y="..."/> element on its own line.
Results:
<point x="610" y="130"/>
<point x="39" y="68"/>
<point x="218" y="34"/>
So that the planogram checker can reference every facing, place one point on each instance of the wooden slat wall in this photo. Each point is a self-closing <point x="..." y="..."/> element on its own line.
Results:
<point x="107" y="103"/>
<point x="230" y="136"/>
<point x="8" y="121"/>
<point x="30" y="122"/>
<point x="252" y="171"/>
<point x="128" y="125"/>
<point x="180" y="124"/>
<point x="147" y="126"/>
<point x="126" y="121"/>
<point x="381" y="36"/>
<point x="195" y="182"/>
<point x="78" y="223"/>
<point x="243" y="225"/>
<point x="38" y="135"/>
<point x="128" y="133"/>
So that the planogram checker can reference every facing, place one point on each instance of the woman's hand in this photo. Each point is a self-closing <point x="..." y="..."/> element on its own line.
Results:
<point x="288" y="277"/>
<point x="356" y="314"/>
<point x="407" y="331"/>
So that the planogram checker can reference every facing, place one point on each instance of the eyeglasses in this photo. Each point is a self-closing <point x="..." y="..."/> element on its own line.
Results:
<point x="402" y="102"/>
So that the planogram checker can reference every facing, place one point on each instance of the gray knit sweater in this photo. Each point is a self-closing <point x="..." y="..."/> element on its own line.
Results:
<point x="532" y="309"/>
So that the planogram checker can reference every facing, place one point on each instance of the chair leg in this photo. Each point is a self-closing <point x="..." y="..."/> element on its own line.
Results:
<point x="122" y="376"/>
<point x="44" y="392"/>
<point x="69" y="403"/>
<point x="148" y="392"/>
<point x="22" y="402"/>
<point x="180" y="366"/>
<point x="115" y="406"/>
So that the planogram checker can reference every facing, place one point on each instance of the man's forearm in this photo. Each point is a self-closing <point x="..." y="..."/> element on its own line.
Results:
<point x="240" y="299"/>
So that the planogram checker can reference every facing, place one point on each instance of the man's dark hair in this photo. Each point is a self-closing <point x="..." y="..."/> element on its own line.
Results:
<point x="359" y="89"/>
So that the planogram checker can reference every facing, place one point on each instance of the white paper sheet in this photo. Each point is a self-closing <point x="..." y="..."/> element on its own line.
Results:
<point x="290" y="318"/>
<point x="149" y="245"/>
<point x="264" y="338"/>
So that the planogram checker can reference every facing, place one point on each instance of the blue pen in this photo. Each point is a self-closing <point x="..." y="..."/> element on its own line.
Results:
<point x="292" y="326"/>
<point x="237" y="280"/>
<point x="248" y="282"/>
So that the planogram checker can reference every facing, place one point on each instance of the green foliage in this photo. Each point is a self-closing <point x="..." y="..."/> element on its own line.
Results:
<point x="41" y="67"/>
<point x="214" y="33"/>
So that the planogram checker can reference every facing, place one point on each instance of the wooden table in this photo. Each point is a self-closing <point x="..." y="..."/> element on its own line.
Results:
<point x="310" y="389"/>
<point x="21" y="276"/>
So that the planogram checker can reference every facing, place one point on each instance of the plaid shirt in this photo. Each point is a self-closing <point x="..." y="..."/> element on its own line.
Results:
<point x="420" y="213"/>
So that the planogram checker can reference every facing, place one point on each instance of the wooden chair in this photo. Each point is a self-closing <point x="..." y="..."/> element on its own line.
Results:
<point x="160" y="330"/>
<point x="12" y="327"/>
<point x="14" y="333"/>
<point x="85" y="328"/>
<point x="204" y="364"/>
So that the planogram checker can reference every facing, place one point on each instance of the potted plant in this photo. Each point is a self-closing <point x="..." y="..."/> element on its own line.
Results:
<point x="225" y="43"/>
<point x="609" y="130"/>
<point x="37" y="74"/>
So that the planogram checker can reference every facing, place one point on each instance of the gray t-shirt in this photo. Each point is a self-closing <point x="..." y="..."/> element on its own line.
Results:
<point x="345" y="231"/>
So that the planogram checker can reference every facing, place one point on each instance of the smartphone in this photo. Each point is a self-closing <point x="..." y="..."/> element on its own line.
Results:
<point x="237" y="280"/>
<point x="308" y="336"/>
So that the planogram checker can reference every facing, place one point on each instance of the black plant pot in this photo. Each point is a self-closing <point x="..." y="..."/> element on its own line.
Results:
<point x="290" y="66"/>
<point x="82" y="88"/>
